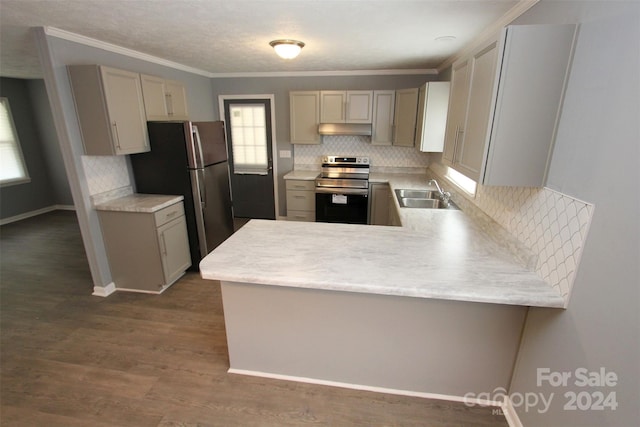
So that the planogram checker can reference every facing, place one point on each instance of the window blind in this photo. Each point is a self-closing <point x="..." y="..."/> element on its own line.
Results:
<point x="249" y="136"/>
<point x="12" y="167"/>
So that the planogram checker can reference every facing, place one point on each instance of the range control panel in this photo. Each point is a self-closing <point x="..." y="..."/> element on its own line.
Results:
<point x="346" y="160"/>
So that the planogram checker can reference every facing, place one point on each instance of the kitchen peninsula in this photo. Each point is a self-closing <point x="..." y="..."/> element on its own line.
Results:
<point x="434" y="307"/>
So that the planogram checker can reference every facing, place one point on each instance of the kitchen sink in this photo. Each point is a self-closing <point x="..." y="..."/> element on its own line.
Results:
<point x="416" y="194"/>
<point x="407" y="202"/>
<point x="422" y="199"/>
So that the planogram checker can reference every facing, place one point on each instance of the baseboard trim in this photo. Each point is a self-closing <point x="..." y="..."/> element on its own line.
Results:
<point x="37" y="212"/>
<point x="510" y="413"/>
<point x="140" y="291"/>
<point x="410" y="393"/>
<point x="104" y="291"/>
<point x="65" y="207"/>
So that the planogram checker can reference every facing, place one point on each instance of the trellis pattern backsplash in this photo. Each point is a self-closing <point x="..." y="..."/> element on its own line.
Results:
<point x="552" y="225"/>
<point x="105" y="173"/>
<point x="379" y="155"/>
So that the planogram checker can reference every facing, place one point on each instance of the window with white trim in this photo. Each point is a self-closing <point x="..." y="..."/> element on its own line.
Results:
<point x="12" y="167"/>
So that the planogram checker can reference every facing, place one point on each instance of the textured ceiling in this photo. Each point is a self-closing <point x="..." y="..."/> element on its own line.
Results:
<point x="232" y="36"/>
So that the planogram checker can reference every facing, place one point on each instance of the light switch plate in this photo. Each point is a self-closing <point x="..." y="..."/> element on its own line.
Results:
<point x="285" y="154"/>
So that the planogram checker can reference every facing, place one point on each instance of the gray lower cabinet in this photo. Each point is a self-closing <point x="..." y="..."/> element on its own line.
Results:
<point x="147" y="252"/>
<point x="301" y="200"/>
<point x="394" y="215"/>
<point x="379" y="204"/>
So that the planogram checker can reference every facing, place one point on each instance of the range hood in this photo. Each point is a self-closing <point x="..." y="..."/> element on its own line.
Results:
<point x="344" y="129"/>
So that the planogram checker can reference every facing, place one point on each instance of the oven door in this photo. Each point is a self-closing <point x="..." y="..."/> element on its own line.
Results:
<point x="343" y="205"/>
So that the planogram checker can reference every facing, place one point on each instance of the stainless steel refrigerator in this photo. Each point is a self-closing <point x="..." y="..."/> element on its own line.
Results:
<point x="190" y="159"/>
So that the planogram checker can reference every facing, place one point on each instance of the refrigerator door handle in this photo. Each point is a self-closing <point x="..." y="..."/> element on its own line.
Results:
<point x="202" y="188"/>
<point x="198" y="146"/>
<point x="198" y="190"/>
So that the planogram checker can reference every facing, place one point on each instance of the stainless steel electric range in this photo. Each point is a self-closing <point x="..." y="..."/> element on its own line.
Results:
<point x="342" y="190"/>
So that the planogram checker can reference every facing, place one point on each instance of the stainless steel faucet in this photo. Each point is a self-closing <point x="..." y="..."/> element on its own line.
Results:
<point x="444" y="194"/>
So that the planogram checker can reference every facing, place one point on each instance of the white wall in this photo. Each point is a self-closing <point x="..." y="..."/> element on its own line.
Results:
<point x="596" y="159"/>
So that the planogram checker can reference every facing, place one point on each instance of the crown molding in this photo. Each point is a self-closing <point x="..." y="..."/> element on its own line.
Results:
<point x="490" y="32"/>
<point x="421" y="71"/>
<point x="88" y="41"/>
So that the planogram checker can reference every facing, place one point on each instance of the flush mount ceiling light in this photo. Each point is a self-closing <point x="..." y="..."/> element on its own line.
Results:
<point x="287" y="49"/>
<point x="445" y="39"/>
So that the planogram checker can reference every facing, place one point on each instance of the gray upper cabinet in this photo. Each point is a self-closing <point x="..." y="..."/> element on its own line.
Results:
<point x="110" y="110"/>
<point x="359" y="106"/>
<point x="472" y="140"/>
<point x="333" y="106"/>
<point x="304" y="117"/>
<point x="352" y="106"/>
<point x="433" y="100"/>
<point x="164" y="99"/>
<point x="404" y="124"/>
<point x="505" y="103"/>
<point x="383" y="108"/>
<point x="457" y="110"/>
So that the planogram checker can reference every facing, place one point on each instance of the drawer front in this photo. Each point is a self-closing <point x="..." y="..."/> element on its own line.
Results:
<point x="301" y="200"/>
<point x="308" y="216"/>
<point x="167" y="214"/>
<point x="296" y="184"/>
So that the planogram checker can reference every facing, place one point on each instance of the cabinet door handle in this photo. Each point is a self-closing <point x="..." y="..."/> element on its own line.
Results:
<point x="455" y="144"/>
<point x="164" y="245"/>
<point x="459" y="131"/>
<point x="459" y="144"/>
<point x="115" y="133"/>
<point x="299" y="197"/>
<point x="169" y="100"/>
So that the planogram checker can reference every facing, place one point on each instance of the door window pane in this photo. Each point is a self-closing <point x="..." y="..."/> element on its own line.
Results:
<point x="249" y="138"/>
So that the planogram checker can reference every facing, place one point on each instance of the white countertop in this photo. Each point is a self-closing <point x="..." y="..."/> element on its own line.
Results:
<point x="439" y="254"/>
<point x="306" y="175"/>
<point x="145" y="203"/>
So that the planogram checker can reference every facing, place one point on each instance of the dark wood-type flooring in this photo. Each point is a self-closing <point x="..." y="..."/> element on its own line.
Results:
<point x="72" y="359"/>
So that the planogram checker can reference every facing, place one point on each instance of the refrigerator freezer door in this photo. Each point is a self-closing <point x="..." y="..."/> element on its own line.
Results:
<point x="212" y="148"/>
